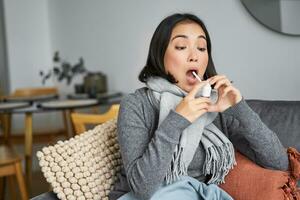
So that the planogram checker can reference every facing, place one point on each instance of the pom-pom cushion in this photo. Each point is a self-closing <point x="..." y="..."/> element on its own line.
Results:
<point x="83" y="167"/>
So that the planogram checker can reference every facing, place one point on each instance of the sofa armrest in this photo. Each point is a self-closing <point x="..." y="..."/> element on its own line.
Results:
<point x="283" y="117"/>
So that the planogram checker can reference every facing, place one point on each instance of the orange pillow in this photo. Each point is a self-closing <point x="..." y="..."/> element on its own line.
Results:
<point x="249" y="181"/>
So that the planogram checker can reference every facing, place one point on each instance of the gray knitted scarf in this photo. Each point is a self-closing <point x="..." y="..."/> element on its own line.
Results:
<point x="219" y="150"/>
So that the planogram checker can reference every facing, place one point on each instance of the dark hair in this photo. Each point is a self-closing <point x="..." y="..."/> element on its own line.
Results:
<point x="159" y="44"/>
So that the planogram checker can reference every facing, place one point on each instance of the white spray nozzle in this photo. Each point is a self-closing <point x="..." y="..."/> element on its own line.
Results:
<point x="197" y="77"/>
<point x="206" y="90"/>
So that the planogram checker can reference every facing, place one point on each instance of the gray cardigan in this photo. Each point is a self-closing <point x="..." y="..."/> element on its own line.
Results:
<point x="147" y="149"/>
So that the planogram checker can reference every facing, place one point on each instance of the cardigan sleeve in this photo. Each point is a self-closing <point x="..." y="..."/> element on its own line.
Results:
<point x="253" y="138"/>
<point x="146" y="157"/>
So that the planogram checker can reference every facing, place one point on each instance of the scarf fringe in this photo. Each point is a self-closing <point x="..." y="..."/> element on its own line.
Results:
<point x="219" y="160"/>
<point x="177" y="167"/>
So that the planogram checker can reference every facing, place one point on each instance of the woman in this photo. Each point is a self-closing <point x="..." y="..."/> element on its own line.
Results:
<point x="176" y="143"/>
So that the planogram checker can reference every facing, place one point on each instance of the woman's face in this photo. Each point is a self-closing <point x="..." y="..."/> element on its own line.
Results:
<point x="186" y="52"/>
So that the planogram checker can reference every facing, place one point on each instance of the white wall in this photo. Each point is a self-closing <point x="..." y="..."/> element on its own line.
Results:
<point x="29" y="51"/>
<point x="28" y="41"/>
<point x="113" y="37"/>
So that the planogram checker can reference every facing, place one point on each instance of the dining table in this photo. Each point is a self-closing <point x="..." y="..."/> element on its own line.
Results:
<point x="30" y="99"/>
<point x="5" y="109"/>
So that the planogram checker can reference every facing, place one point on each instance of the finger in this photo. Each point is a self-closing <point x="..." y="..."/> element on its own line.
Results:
<point x="221" y="82"/>
<point x="217" y="79"/>
<point x="212" y="108"/>
<point x="201" y="100"/>
<point x="221" y="89"/>
<point x="201" y="112"/>
<point x="227" y="90"/>
<point x="214" y="79"/>
<point x="202" y="106"/>
<point x="193" y="92"/>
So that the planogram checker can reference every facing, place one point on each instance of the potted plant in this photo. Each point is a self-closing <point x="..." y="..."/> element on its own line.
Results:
<point x="63" y="70"/>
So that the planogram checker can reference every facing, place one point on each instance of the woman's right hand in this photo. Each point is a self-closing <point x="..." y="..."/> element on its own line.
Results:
<point x="190" y="107"/>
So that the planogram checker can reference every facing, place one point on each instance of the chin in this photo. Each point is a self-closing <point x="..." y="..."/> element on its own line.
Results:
<point x="187" y="88"/>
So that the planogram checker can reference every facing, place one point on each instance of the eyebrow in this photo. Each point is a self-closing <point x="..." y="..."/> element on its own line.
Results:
<point x="184" y="36"/>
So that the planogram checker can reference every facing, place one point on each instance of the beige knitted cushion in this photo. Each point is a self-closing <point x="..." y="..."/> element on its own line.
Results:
<point x="83" y="167"/>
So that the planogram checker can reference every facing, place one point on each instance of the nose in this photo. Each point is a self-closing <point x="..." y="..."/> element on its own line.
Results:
<point x="193" y="59"/>
<point x="193" y="56"/>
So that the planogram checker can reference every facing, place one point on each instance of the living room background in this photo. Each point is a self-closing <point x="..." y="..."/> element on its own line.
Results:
<point x="114" y="36"/>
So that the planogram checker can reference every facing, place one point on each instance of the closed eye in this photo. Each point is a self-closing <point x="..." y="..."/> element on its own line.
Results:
<point x="180" y="47"/>
<point x="202" y="49"/>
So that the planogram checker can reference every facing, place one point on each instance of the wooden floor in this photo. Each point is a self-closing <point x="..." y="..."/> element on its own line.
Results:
<point x="39" y="184"/>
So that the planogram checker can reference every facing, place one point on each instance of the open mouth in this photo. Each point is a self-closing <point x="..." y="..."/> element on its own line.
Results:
<point x="189" y="73"/>
<point x="191" y="79"/>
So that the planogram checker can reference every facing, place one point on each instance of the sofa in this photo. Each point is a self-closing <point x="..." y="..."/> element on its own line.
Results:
<point x="283" y="117"/>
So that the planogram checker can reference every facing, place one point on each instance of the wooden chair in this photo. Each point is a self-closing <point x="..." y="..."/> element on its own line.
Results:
<point x="31" y="92"/>
<point x="10" y="164"/>
<point x="80" y="120"/>
<point x="2" y="123"/>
